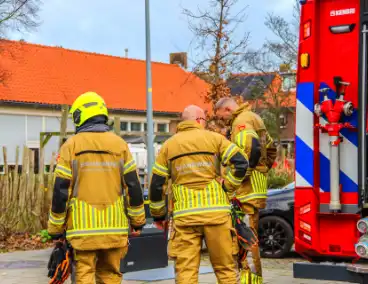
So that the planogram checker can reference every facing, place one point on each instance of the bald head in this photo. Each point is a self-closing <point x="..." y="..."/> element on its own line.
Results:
<point x="226" y="103"/>
<point x="192" y="112"/>
<point x="225" y="107"/>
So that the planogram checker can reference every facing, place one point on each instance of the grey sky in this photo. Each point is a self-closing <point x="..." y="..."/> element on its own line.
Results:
<point x="110" y="26"/>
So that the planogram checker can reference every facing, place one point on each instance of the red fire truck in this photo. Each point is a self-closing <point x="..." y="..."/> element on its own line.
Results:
<point x="331" y="196"/>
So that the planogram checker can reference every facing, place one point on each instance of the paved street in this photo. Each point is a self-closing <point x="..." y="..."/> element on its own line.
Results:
<point x="30" y="268"/>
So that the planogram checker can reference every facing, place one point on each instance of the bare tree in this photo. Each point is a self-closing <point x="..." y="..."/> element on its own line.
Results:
<point x="214" y="38"/>
<point x="218" y="48"/>
<point x="285" y="48"/>
<point x="274" y="100"/>
<point x="18" y="15"/>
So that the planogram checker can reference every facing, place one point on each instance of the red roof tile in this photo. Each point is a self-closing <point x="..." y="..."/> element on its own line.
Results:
<point x="54" y="75"/>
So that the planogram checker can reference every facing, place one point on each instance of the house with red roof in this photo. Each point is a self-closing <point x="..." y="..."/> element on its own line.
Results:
<point x="36" y="80"/>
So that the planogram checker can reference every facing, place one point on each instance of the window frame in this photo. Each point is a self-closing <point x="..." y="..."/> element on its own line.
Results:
<point x="136" y="123"/>
<point x="292" y="82"/>
<point x="127" y="125"/>
<point x="166" y="127"/>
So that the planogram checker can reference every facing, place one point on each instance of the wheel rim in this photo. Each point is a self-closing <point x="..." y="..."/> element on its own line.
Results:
<point x="272" y="237"/>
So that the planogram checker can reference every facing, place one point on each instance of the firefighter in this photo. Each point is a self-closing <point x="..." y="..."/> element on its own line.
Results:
<point x="248" y="131"/>
<point x="191" y="159"/>
<point x="90" y="201"/>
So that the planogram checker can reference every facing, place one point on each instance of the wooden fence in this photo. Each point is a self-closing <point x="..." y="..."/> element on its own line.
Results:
<point x="24" y="195"/>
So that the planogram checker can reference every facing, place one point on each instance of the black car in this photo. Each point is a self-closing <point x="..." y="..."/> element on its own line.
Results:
<point x="276" y="223"/>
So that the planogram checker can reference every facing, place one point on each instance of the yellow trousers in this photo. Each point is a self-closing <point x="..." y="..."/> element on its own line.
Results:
<point x="99" y="266"/>
<point x="246" y="276"/>
<point x="185" y="249"/>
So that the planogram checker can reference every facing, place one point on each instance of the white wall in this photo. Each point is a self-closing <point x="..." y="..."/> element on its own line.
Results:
<point x="24" y="130"/>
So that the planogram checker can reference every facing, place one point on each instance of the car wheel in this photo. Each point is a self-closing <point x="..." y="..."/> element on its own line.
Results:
<point x="276" y="237"/>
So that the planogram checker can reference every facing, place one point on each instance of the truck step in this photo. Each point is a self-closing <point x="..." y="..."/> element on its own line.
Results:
<point x="352" y="273"/>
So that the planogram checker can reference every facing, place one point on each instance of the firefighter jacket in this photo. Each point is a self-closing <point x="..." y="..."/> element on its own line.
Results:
<point x="191" y="159"/>
<point x="96" y="192"/>
<point x="250" y="134"/>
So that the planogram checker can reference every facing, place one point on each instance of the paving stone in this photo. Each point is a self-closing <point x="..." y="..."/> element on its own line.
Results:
<point x="30" y="268"/>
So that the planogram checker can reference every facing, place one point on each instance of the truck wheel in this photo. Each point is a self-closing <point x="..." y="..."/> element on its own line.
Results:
<point x="276" y="237"/>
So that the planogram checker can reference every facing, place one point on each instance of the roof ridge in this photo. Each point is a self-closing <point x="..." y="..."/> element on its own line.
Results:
<point x="245" y="74"/>
<point x="85" y="52"/>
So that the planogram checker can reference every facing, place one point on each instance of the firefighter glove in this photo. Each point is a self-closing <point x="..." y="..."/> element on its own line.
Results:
<point x="59" y="266"/>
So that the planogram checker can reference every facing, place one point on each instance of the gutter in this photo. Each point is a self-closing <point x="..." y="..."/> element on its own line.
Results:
<point x="111" y="111"/>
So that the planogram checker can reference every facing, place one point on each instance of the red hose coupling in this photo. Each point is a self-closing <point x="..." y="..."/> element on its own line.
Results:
<point x="336" y="142"/>
<point x="326" y="106"/>
<point x="332" y="111"/>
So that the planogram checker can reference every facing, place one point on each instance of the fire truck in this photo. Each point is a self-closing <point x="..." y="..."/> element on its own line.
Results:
<point x="331" y="196"/>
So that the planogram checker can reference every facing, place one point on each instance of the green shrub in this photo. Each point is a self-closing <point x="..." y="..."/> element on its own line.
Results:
<point x="44" y="235"/>
<point x="278" y="179"/>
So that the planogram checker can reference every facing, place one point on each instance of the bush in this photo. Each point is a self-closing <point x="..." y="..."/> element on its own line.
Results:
<point x="277" y="179"/>
<point x="44" y="236"/>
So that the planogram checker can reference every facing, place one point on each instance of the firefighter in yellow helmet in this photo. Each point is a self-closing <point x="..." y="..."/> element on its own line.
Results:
<point x="191" y="159"/>
<point x="250" y="134"/>
<point x="95" y="174"/>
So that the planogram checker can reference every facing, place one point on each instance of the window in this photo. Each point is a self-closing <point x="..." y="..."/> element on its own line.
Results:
<point x="123" y="125"/>
<point x="289" y="82"/>
<point x="162" y="127"/>
<point x="283" y="120"/>
<point x="135" y="126"/>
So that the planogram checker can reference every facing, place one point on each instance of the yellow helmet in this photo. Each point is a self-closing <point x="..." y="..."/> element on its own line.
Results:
<point x="86" y="106"/>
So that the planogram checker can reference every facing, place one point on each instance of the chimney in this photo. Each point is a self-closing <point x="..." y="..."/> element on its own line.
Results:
<point x="179" y="58"/>
<point x="284" y="68"/>
<point x="126" y="52"/>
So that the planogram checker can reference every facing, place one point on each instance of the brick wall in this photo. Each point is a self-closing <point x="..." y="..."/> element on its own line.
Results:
<point x="172" y="126"/>
<point x="289" y="131"/>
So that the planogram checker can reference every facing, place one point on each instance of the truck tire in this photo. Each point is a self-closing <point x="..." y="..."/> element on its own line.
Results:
<point x="276" y="237"/>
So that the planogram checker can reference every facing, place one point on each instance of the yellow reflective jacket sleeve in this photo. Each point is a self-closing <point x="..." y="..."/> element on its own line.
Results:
<point x="159" y="179"/>
<point x="134" y="196"/>
<point x="61" y="193"/>
<point x="248" y="140"/>
<point x="236" y="162"/>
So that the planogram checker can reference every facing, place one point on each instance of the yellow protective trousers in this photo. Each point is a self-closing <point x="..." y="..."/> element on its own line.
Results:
<point x="185" y="249"/>
<point x="247" y="276"/>
<point x="99" y="266"/>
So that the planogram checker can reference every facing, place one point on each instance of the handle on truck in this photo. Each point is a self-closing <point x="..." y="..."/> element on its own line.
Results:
<point x="362" y="111"/>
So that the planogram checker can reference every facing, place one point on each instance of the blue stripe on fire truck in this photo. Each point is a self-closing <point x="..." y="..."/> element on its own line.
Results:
<point x="304" y="171"/>
<point x="304" y="145"/>
<point x="304" y="135"/>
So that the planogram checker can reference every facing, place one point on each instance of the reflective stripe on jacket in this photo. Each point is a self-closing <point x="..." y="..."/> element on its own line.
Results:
<point x="190" y="201"/>
<point x="97" y="195"/>
<point x="258" y="183"/>
<point x="87" y="220"/>
<point x="191" y="160"/>
<point x="249" y="133"/>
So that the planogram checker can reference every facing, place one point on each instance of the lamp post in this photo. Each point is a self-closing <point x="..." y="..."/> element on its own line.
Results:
<point x="150" y="150"/>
